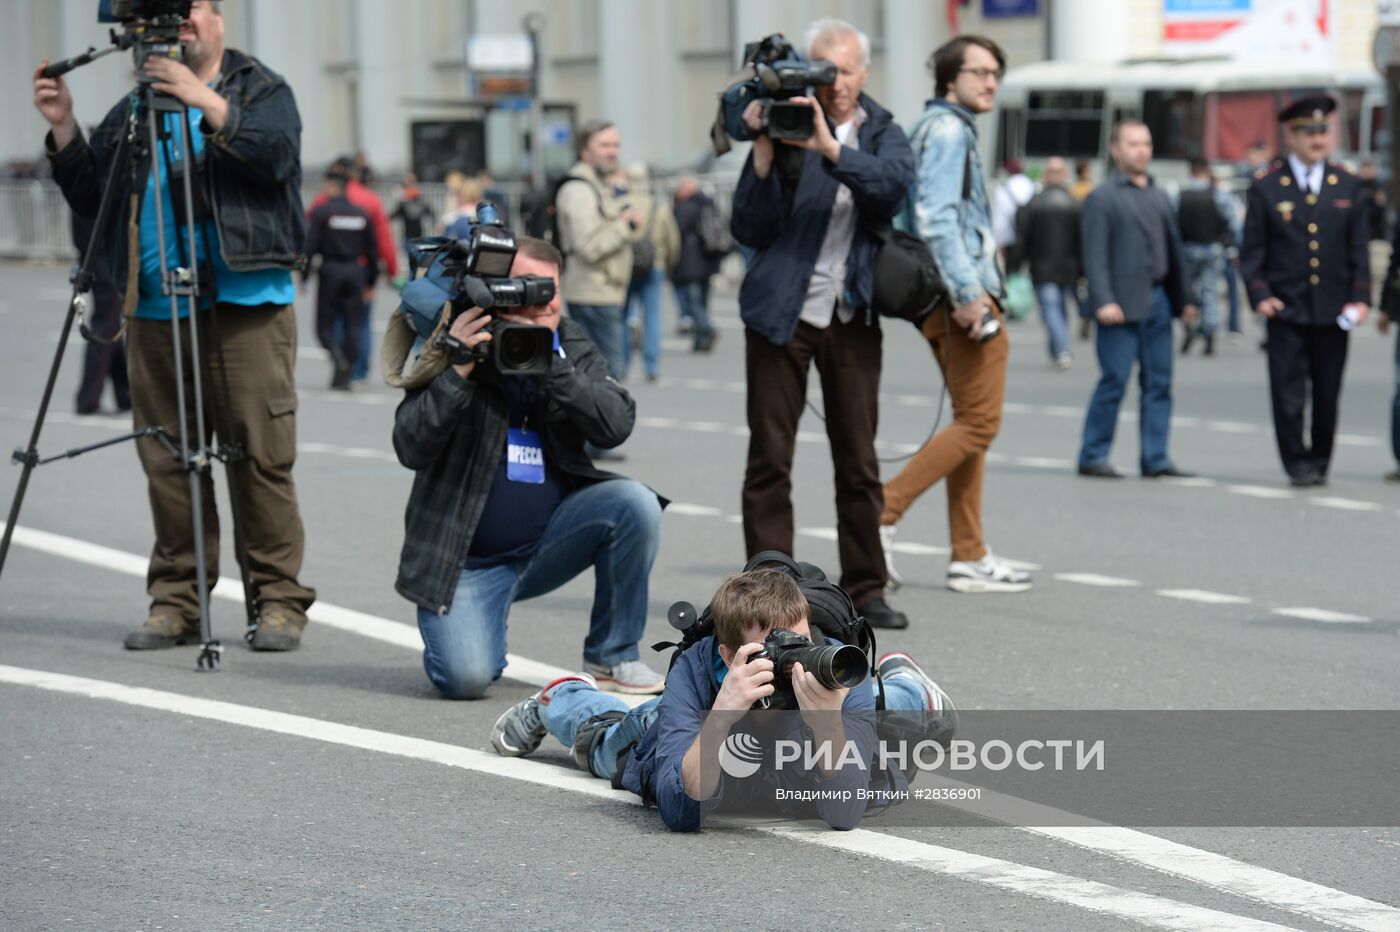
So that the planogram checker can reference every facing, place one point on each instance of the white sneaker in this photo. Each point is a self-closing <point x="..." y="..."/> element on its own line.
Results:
<point x="629" y="676"/>
<point x="893" y="580"/>
<point x="989" y="574"/>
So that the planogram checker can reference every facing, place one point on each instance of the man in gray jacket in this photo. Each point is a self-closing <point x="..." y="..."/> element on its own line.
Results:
<point x="506" y="505"/>
<point x="1137" y="284"/>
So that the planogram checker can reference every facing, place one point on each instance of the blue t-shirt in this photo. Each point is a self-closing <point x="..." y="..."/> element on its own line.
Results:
<point x="516" y="513"/>
<point x="249" y="289"/>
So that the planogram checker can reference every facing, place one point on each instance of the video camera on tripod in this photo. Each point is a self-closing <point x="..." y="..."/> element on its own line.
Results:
<point x="474" y="271"/>
<point x="150" y="28"/>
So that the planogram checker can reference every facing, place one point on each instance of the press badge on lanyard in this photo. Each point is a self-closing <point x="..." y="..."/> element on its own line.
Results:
<point x="524" y="456"/>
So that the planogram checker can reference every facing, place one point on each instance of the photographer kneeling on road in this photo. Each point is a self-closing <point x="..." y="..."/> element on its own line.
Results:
<point x="246" y="137"/>
<point x="506" y="505"/>
<point x="659" y="749"/>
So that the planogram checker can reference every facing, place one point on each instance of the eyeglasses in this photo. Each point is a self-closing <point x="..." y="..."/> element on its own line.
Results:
<point x="983" y="74"/>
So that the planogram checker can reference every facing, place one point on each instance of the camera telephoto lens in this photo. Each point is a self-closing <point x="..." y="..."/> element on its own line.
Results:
<point x="517" y="349"/>
<point x="838" y="667"/>
<point x="789" y="120"/>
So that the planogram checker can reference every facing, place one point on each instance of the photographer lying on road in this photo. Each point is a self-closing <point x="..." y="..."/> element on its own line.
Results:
<point x="506" y="505"/>
<point x="666" y="749"/>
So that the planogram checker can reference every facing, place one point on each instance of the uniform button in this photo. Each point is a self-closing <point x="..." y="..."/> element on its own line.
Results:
<point x="1316" y="263"/>
<point x="1313" y="245"/>
<point x="1312" y="228"/>
<point x="1314" y="279"/>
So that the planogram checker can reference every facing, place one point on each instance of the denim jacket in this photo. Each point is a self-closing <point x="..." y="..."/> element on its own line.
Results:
<point x="960" y="236"/>
<point x="252" y="176"/>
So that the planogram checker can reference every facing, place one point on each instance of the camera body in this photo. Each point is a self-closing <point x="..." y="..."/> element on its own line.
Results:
<point x="152" y="28"/>
<point x="478" y="265"/>
<point x="835" y="666"/>
<point x="780" y="74"/>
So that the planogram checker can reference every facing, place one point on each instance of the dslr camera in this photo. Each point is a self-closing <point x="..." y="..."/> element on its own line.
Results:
<point x="835" y="666"/>
<point x="478" y="266"/>
<point x="779" y="74"/>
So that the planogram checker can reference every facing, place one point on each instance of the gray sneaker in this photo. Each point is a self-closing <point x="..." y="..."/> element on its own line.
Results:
<point x="520" y="729"/>
<point x="629" y="676"/>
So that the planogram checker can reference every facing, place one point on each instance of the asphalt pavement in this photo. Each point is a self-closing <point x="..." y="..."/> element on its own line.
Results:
<point x="330" y="788"/>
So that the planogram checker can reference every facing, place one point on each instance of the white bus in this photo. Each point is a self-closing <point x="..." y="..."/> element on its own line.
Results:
<point x="1196" y="108"/>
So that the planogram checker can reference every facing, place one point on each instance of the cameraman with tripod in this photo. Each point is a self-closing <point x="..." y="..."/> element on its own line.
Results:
<point x="245" y="169"/>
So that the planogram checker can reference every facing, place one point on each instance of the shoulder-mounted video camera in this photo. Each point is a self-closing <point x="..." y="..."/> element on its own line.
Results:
<point x="474" y="271"/>
<point x="829" y="611"/>
<point x="773" y="74"/>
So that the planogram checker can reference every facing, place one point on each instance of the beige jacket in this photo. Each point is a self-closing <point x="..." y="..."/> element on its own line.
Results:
<point x="660" y="227"/>
<point x="596" y="242"/>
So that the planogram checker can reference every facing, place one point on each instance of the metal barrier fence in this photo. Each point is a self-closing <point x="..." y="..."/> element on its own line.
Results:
<point x="34" y="219"/>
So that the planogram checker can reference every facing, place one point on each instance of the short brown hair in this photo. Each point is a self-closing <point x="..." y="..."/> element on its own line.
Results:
<point x="947" y="60"/>
<point x="1121" y="125"/>
<point x="588" y="130"/>
<point x="762" y="598"/>
<point x="539" y="250"/>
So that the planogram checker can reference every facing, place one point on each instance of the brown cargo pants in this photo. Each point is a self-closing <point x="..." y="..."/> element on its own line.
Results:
<point x="260" y="345"/>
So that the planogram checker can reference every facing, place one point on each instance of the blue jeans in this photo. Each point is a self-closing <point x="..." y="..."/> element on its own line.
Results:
<point x="359" y="371"/>
<point x="647" y="292"/>
<point x="1053" y="299"/>
<point x="1395" y="405"/>
<point x="603" y="324"/>
<point x="574" y="702"/>
<point x="612" y="526"/>
<point x="1205" y="263"/>
<point x="1149" y="343"/>
<point x="694" y="301"/>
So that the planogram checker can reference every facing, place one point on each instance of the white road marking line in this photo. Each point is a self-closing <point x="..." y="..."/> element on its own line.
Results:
<point x="821" y="533"/>
<point x="1324" y="615"/>
<point x="1232" y="427"/>
<point x="919" y="550"/>
<point x="1094" y="579"/>
<point x="1205" y="596"/>
<point x="520" y="669"/>
<point x="695" y="511"/>
<point x="1259" y="491"/>
<point x="1006" y="875"/>
<point x="1042" y="462"/>
<point x="1032" y="881"/>
<point x="1358" y="440"/>
<point x="1345" y="504"/>
<point x="1189" y="482"/>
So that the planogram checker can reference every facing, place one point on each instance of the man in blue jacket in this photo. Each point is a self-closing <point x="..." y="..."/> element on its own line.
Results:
<point x="806" y="299"/>
<point x="666" y="742"/>
<point x="246" y="162"/>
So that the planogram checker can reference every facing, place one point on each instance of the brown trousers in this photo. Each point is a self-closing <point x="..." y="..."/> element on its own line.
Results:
<point x="848" y="360"/>
<point x="976" y="377"/>
<point x="260" y="345"/>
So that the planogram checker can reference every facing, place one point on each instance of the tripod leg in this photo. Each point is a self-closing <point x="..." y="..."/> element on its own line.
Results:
<point x="29" y="457"/>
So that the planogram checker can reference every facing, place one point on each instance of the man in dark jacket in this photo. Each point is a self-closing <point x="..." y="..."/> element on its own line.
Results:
<point x="663" y="748"/>
<point x="806" y="298"/>
<point x="1047" y="237"/>
<point x="342" y="236"/>
<point x="246" y="164"/>
<point x="1305" y="264"/>
<point x="506" y="505"/>
<point x="697" y="264"/>
<point x="1137" y="284"/>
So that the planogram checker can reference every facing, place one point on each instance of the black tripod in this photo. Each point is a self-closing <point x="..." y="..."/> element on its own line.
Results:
<point x="182" y="282"/>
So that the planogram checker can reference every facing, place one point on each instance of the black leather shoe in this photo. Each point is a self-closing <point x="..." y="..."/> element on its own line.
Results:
<point x="880" y="615"/>
<point x="1168" y="471"/>
<point x="1099" y="471"/>
<point x="1306" y="479"/>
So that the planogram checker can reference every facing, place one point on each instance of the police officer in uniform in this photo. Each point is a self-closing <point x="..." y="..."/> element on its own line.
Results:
<point x="341" y="234"/>
<point x="1304" y="261"/>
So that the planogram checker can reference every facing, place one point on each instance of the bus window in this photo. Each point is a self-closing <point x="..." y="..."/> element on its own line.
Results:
<point x="1379" y="139"/>
<point x="1175" y="130"/>
<point x="1009" y="135"/>
<point x="1351" y="121"/>
<point x="1235" y="121"/>
<point x="1065" y="123"/>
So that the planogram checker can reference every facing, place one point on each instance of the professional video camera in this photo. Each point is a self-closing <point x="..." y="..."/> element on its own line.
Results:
<point x="474" y="271"/>
<point x="152" y="28"/>
<point x="779" y="73"/>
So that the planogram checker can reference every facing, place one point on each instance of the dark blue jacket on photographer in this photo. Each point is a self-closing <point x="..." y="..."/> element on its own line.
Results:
<point x="251" y="178"/>
<point x="653" y="770"/>
<point x="452" y="433"/>
<point x="788" y="242"/>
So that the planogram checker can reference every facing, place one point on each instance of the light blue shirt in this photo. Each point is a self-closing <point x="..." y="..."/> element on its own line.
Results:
<point x="248" y="289"/>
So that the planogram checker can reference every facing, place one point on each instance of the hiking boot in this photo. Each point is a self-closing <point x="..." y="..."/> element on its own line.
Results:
<point x="161" y="631"/>
<point x="989" y="574"/>
<point x="520" y="729"/>
<point x="278" y="629"/>
<point x="892" y="578"/>
<point x="629" y="676"/>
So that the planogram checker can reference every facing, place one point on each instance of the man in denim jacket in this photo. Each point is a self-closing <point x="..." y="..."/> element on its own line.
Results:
<point x="949" y="212"/>
<point x="246" y="139"/>
<point x="806" y="299"/>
